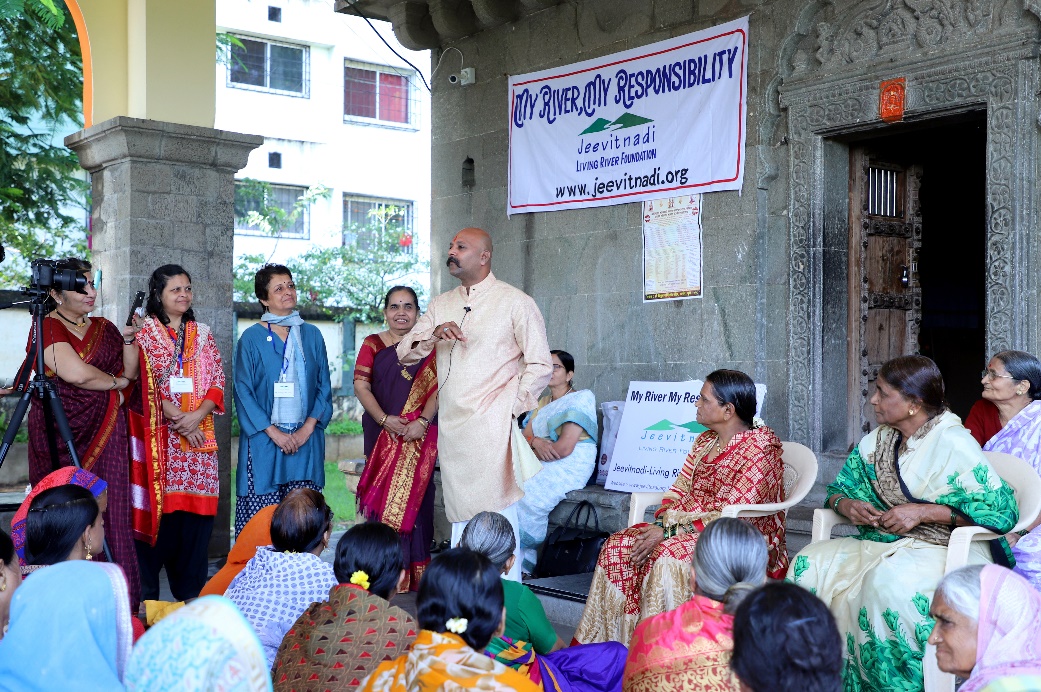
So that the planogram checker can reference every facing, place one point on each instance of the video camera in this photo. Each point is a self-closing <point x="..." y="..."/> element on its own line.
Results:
<point x="49" y="274"/>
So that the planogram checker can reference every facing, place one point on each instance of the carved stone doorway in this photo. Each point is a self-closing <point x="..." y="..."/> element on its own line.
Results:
<point x="956" y="61"/>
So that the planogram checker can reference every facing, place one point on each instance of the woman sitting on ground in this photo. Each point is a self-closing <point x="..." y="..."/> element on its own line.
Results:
<point x="64" y="523"/>
<point x="644" y="570"/>
<point x="562" y="433"/>
<point x="70" y="630"/>
<point x="906" y="486"/>
<point x="67" y="475"/>
<point x="529" y="638"/>
<point x="689" y="648"/>
<point x="282" y="580"/>
<point x="988" y="629"/>
<point x="206" y="645"/>
<point x="460" y="609"/>
<point x="369" y="630"/>
<point x="255" y="534"/>
<point x="786" y="640"/>
<point x="10" y="579"/>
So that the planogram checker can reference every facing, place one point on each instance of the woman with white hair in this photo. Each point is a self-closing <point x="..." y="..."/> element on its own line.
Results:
<point x="530" y="643"/>
<point x="988" y="629"/>
<point x="689" y="648"/>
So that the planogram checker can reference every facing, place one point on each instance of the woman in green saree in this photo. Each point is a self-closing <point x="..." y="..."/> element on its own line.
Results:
<point x="905" y="486"/>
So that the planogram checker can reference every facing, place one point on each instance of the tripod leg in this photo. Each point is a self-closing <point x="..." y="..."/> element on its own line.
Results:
<point x="16" y="421"/>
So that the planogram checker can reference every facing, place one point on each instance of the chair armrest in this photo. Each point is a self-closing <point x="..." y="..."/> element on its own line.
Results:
<point x="824" y="520"/>
<point x="962" y="539"/>
<point x="748" y="511"/>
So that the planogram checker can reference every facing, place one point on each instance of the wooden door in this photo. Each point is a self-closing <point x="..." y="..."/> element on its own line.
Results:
<point x="885" y="310"/>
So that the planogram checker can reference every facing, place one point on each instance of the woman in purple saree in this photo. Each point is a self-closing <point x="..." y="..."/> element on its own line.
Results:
<point x="400" y="434"/>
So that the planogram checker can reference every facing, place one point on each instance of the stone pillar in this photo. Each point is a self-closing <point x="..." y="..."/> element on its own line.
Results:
<point x="164" y="193"/>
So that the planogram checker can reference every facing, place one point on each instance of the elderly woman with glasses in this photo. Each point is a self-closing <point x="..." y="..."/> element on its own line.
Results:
<point x="283" y="399"/>
<point x="1008" y="419"/>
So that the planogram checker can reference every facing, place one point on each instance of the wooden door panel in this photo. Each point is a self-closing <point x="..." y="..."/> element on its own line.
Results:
<point x="884" y="296"/>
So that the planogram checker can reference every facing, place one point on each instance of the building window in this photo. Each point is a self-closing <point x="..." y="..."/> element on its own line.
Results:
<point x="372" y="223"/>
<point x="253" y="197"/>
<point x="269" y="66"/>
<point x="274" y="159"/>
<point x="378" y="93"/>
<point x="274" y="14"/>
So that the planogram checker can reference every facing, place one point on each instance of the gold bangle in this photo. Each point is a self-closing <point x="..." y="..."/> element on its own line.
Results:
<point x="426" y="423"/>
<point x="383" y="420"/>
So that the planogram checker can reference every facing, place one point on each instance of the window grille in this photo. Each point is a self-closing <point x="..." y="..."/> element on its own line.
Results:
<point x="282" y="196"/>
<point x="883" y="192"/>
<point x="371" y="221"/>
<point x="269" y="66"/>
<point x="380" y="94"/>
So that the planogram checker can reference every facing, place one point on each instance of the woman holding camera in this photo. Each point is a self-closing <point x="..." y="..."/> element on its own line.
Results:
<point x="91" y="363"/>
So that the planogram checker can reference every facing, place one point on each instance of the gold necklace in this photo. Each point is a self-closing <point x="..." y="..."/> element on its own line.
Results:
<point x="79" y="325"/>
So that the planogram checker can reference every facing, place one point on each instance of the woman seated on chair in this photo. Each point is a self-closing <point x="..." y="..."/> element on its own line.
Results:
<point x="988" y="628"/>
<point x="906" y="486"/>
<point x="644" y="570"/>
<point x="562" y="433"/>
<point x="1008" y="419"/>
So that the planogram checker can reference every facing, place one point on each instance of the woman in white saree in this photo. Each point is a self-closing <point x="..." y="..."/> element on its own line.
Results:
<point x="562" y="433"/>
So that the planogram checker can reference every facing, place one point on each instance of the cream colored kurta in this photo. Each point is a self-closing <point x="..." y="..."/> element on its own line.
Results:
<point x="484" y="384"/>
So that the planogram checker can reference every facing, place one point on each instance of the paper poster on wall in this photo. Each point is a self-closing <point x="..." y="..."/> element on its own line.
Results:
<point x="663" y="119"/>
<point x="672" y="248"/>
<point x="659" y="424"/>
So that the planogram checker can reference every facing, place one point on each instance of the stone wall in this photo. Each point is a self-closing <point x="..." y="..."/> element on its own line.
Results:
<point x="584" y="267"/>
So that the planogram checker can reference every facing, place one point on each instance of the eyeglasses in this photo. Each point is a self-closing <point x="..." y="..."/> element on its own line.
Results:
<point x="990" y="374"/>
<point x="281" y="288"/>
<point x="557" y="366"/>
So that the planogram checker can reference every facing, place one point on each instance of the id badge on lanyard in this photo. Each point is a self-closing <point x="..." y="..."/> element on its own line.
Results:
<point x="283" y="389"/>
<point x="181" y="384"/>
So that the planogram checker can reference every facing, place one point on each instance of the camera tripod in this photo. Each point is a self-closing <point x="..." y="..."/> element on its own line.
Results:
<point x="46" y="391"/>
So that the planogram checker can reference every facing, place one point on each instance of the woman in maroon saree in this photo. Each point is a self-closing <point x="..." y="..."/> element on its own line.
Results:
<point x="91" y="364"/>
<point x="400" y="434"/>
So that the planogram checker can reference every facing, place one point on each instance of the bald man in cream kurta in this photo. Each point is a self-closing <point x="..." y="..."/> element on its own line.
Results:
<point x="484" y="384"/>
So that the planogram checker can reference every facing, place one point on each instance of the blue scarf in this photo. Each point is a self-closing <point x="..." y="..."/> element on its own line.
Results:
<point x="291" y="412"/>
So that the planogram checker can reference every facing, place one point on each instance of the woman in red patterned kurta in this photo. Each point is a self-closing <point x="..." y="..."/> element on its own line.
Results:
<point x="173" y="447"/>
<point x="642" y="570"/>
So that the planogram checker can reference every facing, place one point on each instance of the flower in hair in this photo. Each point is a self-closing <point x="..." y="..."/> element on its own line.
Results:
<point x="361" y="579"/>
<point x="757" y="422"/>
<point x="456" y="625"/>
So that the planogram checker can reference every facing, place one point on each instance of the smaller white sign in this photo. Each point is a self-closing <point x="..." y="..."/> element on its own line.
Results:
<point x="657" y="430"/>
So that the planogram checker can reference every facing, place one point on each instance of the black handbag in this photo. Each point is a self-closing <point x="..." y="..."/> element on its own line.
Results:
<point x="573" y="547"/>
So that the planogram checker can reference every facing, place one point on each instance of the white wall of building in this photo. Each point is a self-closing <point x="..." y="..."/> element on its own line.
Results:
<point x="369" y="159"/>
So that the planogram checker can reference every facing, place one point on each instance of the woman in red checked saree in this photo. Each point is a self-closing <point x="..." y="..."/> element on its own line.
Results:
<point x="643" y="570"/>
<point x="173" y="447"/>
<point x="400" y="434"/>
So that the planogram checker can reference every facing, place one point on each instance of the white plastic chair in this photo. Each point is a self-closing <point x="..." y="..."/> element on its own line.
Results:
<point x="800" y="473"/>
<point x="1024" y="480"/>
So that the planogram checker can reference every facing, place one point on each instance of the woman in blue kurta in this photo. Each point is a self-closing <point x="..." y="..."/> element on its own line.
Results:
<point x="283" y="399"/>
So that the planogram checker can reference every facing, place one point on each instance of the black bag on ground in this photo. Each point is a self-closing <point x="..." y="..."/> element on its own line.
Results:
<point x="573" y="547"/>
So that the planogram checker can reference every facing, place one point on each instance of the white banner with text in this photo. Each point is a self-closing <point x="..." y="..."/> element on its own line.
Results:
<point x="650" y="122"/>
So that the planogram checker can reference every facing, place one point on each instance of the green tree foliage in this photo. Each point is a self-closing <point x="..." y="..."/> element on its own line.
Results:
<point x="41" y="83"/>
<point x="355" y="276"/>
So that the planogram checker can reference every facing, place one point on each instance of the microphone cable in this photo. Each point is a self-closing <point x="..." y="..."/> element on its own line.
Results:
<point x="466" y="313"/>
